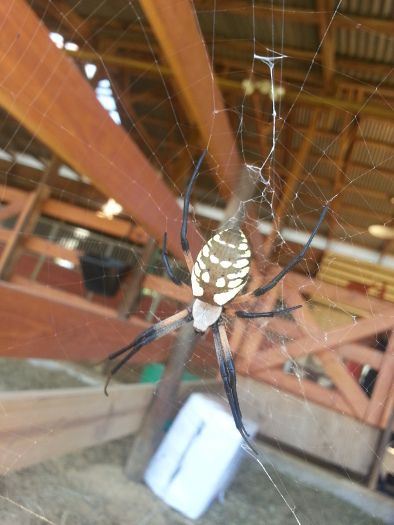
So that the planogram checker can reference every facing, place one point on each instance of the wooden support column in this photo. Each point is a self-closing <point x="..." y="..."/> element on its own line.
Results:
<point x="162" y="407"/>
<point x="26" y="222"/>
<point x="327" y="38"/>
<point x="346" y="144"/>
<point x="133" y="288"/>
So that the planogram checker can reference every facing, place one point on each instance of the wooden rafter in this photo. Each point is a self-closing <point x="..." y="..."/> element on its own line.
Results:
<point x="294" y="14"/>
<point x="176" y="28"/>
<point x="327" y="39"/>
<point x="291" y="95"/>
<point x="42" y="93"/>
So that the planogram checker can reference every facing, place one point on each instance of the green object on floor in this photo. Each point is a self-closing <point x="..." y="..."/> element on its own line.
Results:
<point x="152" y="374"/>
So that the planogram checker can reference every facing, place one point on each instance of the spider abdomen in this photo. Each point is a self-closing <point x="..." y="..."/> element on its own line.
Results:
<point x="222" y="267"/>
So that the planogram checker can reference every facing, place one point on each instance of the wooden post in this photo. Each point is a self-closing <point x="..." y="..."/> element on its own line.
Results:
<point x="26" y="222"/>
<point x="162" y="406"/>
<point x="132" y="293"/>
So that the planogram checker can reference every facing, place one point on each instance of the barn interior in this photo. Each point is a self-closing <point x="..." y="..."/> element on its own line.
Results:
<point x="106" y="108"/>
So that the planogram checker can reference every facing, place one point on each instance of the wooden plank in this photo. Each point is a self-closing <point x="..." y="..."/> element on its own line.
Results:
<point x="51" y="250"/>
<point x="313" y="344"/>
<point x="176" y="28"/>
<point x="37" y="425"/>
<point x="321" y="432"/>
<point x="89" y="219"/>
<point x="167" y="288"/>
<point x="82" y="217"/>
<point x="68" y="118"/>
<point x="362" y="354"/>
<point x="42" y="322"/>
<point x="341" y="298"/>
<point x="303" y="388"/>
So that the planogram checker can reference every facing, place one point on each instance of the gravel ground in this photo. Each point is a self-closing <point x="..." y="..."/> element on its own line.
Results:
<point x="89" y="488"/>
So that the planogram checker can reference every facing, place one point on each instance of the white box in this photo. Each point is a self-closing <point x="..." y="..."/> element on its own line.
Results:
<point x="198" y="457"/>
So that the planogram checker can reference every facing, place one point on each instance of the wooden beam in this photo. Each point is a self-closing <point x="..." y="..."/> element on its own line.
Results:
<point x="177" y="30"/>
<point x="68" y="118"/>
<point x="332" y="364"/>
<point x="329" y="340"/>
<point x="304" y="388"/>
<point x="303" y="16"/>
<point x="291" y="96"/>
<point x="346" y="144"/>
<point x="167" y="288"/>
<point x="68" y="17"/>
<point x="362" y="354"/>
<point x="43" y="247"/>
<point x="82" y="217"/>
<point x="349" y="300"/>
<point x="133" y="287"/>
<point x="327" y="40"/>
<point x="37" y="425"/>
<point x="42" y="322"/>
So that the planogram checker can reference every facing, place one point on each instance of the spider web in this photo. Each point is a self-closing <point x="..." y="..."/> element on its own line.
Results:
<point x="355" y="182"/>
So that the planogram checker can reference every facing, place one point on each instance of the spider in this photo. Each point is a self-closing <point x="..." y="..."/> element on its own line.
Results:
<point x="218" y="275"/>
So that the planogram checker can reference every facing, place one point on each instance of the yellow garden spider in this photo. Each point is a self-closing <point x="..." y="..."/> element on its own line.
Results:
<point x="218" y="275"/>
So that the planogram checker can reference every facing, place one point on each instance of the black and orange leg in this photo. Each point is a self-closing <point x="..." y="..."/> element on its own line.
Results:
<point x="256" y="315"/>
<point x="227" y="371"/>
<point x="147" y="336"/>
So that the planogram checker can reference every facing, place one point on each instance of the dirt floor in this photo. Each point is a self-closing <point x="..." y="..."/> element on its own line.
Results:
<point x="89" y="487"/>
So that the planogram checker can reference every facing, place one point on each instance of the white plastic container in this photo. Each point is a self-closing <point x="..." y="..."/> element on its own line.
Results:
<point x="198" y="457"/>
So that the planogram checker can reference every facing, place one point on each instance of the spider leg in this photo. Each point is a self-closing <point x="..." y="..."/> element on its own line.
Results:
<point x="227" y="371"/>
<point x="185" y="214"/>
<point x="166" y="262"/>
<point x="255" y="315"/>
<point x="266" y="287"/>
<point x="147" y="336"/>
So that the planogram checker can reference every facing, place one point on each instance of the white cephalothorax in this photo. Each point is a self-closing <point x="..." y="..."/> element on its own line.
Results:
<point x="204" y="315"/>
